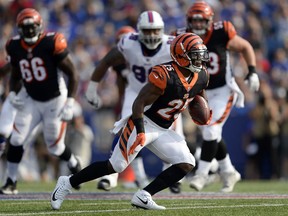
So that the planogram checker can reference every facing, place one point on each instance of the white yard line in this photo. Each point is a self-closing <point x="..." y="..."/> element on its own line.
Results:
<point x="129" y="209"/>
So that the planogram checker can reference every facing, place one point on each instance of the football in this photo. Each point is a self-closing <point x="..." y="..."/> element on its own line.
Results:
<point x="199" y="110"/>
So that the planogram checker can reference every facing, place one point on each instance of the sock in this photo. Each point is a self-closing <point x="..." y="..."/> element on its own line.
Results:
<point x="14" y="156"/>
<point x="209" y="150"/>
<point x="69" y="157"/>
<point x="203" y="167"/>
<point x="222" y="150"/>
<point x="225" y="165"/>
<point x="12" y="170"/>
<point x="166" y="178"/>
<point x="72" y="161"/>
<point x="91" y="172"/>
<point x="2" y="144"/>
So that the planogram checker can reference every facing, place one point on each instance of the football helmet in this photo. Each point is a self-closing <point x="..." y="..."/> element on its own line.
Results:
<point x="188" y="51"/>
<point x="200" y="11"/>
<point x="123" y="30"/>
<point x="29" y="24"/>
<point x="149" y="20"/>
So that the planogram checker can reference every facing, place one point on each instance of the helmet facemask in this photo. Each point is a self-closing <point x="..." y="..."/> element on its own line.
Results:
<point x="189" y="52"/>
<point x="30" y="32"/>
<point x="151" y="40"/>
<point x="196" y="59"/>
<point x="200" y="29"/>
<point x="200" y="18"/>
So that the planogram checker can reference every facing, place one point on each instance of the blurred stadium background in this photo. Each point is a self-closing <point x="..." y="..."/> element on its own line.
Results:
<point x="257" y="135"/>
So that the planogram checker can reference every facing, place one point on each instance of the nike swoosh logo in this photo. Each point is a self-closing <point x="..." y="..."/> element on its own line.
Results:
<point x="144" y="202"/>
<point x="53" y="195"/>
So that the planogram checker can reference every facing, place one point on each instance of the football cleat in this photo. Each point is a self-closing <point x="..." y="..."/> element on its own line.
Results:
<point x="175" y="188"/>
<point x="9" y="187"/>
<point x="142" y="199"/>
<point x="62" y="189"/>
<point x="104" y="184"/>
<point x="229" y="180"/>
<point x="198" y="182"/>
<point x="108" y="182"/>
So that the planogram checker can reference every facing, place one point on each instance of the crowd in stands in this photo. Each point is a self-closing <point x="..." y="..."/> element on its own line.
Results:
<point x="90" y="27"/>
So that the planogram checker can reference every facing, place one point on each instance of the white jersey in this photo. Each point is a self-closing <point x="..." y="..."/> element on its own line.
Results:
<point x="139" y="66"/>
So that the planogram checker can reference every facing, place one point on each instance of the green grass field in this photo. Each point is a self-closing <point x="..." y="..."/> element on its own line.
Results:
<point x="248" y="198"/>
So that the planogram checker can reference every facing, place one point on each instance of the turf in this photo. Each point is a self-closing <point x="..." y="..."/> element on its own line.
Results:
<point x="248" y="198"/>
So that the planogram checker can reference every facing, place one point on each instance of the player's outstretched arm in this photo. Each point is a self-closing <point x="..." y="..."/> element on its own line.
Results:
<point x="242" y="46"/>
<point x="113" y="58"/>
<point x="67" y="66"/>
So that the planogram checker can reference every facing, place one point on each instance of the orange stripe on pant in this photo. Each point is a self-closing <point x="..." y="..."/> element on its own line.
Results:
<point x="63" y="127"/>
<point x="227" y="110"/>
<point x="124" y="138"/>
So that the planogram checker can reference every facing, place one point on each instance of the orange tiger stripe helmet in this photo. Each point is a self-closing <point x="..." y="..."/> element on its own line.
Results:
<point x="123" y="30"/>
<point x="189" y="51"/>
<point x="29" y="24"/>
<point x="200" y="10"/>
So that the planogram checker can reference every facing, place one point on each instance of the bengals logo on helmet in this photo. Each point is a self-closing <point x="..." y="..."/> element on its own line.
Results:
<point x="28" y="15"/>
<point x="200" y="10"/>
<point x="187" y="50"/>
<point x="29" y="23"/>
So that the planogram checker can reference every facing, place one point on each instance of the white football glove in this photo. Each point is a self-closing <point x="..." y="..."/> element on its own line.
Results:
<point x="92" y="96"/>
<point x="15" y="100"/>
<point x="66" y="113"/>
<point x="252" y="79"/>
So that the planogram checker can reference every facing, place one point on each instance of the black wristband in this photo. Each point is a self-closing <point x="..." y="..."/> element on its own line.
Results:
<point x="139" y="124"/>
<point x="251" y="69"/>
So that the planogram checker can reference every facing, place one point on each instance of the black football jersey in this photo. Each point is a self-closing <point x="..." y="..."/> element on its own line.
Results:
<point x="177" y="92"/>
<point x="216" y="42"/>
<point x="38" y="64"/>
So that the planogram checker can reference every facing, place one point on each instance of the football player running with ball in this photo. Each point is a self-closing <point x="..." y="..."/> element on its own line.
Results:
<point x="139" y="52"/>
<point x="171" y="86"/>
<point x="222" y="91"/>
<point x="35" y="57"/>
